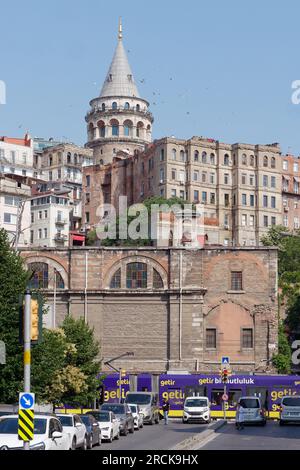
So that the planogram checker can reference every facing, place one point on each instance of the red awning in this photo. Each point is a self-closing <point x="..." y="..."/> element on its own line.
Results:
<point x="79" y="238"/>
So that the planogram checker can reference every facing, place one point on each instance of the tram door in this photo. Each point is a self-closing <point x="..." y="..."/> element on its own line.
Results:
<point x="262" y="393"/>
<point x="195" y="391"/>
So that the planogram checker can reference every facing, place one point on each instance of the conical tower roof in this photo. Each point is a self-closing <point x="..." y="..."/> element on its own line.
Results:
<point x="119" y="80"/>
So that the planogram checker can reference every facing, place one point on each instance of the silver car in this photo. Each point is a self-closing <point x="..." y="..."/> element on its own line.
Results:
<point x="250" y="411"/>
<point x="289" y="410"/>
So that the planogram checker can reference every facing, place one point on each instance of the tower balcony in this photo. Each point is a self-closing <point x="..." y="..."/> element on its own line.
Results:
<point x="98" y="112"/>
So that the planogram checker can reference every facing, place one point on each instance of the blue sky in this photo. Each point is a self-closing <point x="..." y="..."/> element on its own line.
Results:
<point x="218" y="69"/>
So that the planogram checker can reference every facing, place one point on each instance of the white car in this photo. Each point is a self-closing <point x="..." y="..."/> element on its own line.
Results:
<point x="196" y="409"/>
<point x="75" y="429"/>
<point x="290" y="410"/>
<point x="109" y="424"/>
<point x="48" y="434"/>
<point x="138" y="416"/>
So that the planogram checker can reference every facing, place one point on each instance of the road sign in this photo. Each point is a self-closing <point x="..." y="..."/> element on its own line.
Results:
<point x="225" y="361"/>
<point x="225" y="397"/>
<point x="26" y="401"/>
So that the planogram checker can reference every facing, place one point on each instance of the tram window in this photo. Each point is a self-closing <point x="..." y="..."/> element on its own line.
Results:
<point x="195" y="391"/>
<point x="216" y="396"/>
<point x="233" y="396"/>
<point x="261" y="392"/>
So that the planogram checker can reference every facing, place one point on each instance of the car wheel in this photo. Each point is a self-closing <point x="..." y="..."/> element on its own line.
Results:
<point x="99" y="442"/>
<point x="84" y="444"/>
<point x="73" y="446"/>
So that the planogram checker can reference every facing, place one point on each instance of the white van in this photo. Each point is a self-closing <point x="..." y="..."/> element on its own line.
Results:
<point x="289" y="410"/>
<point x="196" y="409"/>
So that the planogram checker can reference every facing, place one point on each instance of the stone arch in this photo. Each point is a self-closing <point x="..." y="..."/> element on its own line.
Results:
<point x="101" y="128"/>
<point x="52" y="264"/>
<point x="122" y="263"/>
<point x="140" y="129"/>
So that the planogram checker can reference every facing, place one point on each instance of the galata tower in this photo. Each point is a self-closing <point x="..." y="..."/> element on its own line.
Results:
<point x="119" y="118"/>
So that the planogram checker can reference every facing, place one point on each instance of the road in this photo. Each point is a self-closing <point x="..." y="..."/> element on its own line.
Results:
<point x="156" y="437"/>
<point x="270" y="437"/>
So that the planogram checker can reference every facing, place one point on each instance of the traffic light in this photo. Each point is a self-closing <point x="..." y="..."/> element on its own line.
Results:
<point x="123" y="373"/>
<point x="34" y="320"/>
<point x="225" y="376"/>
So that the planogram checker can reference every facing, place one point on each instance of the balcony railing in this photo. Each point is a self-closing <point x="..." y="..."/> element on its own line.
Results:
<point x="60" y="221"/>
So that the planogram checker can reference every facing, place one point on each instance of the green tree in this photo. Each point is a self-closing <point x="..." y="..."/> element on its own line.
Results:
<point x="282" y="360"/>
<point x="13" y="280"/>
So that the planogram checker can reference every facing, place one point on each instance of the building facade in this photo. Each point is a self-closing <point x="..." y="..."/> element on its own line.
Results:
<point x="176" y="309"/>
<point x="16" y="156"/>
<point x="291" y="192"/>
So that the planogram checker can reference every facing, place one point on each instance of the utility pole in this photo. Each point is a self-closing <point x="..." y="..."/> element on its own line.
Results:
<point x="27" y="348"/>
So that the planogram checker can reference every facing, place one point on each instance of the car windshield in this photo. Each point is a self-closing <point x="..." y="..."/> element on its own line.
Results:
<point x="102" y="416"/>
<point x="249" y="403"/>
<point x="10" y="426"/>
<point x="66" y="420"/>
<point x="138" y="398"/>
<point x="196" y="402"/>
<point x="117" y="409"/>
<point x="133" y="408"/>
<point x="291" y="401"/>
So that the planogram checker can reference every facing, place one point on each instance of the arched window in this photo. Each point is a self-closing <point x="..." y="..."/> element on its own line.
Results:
<point x="114" y="127"/>
<point x="204" y="157"/>
<point x="115" y="282"/>
<point x="101" y="127"/>
<point x="212" y="159"/>
<point x="244" y="159"/>
<point x="69" y="155"/>
<point x="126" y="105"/>
<point x="39" y="276"/>
<point x="273" y="162"/>
<point x="196" y="156"/>
<point x="59" y="280"/>
<point x="174" y="156"/>
<point x="75" y="158"/>
<point x="157" y="280"/>
<point x="136" y="276"/>
<point x="103" y="106"/>
<point x="127" y="127"/>
<point x="265" y="161"/>
<point x="138" y="108"/>
<point x="226" y="159"/>
<point x="114" y="105"/>
<point x="139" y="129"/>
<point x="182" y="156"/>
<point x="149" y="128"/>
<point x="252" y="160"/>
<point x="91" y="131"/>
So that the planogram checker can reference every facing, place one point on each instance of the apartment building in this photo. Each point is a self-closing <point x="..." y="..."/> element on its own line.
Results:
<point x="16" y="156"/>
<point x="15" y="210"/>
<point x="291" y="192"/>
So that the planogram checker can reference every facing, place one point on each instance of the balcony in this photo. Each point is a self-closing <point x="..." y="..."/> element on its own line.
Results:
<point x="60" y="221"/>
<point x="60" y="237"/>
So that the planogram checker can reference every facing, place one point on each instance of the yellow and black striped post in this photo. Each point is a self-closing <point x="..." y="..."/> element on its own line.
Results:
<point x="25" y="425"/>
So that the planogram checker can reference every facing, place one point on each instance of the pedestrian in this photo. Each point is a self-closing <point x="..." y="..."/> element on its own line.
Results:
<point x="239" y="418"/>
<point x="166" y="408"/>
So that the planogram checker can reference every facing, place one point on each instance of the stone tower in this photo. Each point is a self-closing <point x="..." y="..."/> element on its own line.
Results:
<point x="119" y="119"/>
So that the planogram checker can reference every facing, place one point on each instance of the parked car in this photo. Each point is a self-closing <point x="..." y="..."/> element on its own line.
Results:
<point x="196" y="409"/>
<point x="250" y="411"/>
<point x="124" y="415"/>
<point x="289" y="410"/>
<point x="75" y="429"/>
<point x="137" y="416"/>
<point x="48" y="434"/>
<point x="148" y="403"/>
<point x="93" y="430"/>
<point x="109" y="424"/>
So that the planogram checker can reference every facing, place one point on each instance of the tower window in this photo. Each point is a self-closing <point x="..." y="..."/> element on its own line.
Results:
<point x="126" y="106"/>
<point x="138" y="108"/>
<point x="114" y="105"/>
<point x="103" y="106"/>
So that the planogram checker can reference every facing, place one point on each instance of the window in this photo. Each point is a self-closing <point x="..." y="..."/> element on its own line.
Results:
<point x="226" y="200"/>
<point x="46" y="214"/>
<point x="182" y="175"/>
<point x="40" y="233"/>
<point x="161" y="175"/>
<point x="103" y="106"/>
<point x="252" y="160"/>
<point x="114" y="128"/>
<point x="251" y="180"/>
<point x="244" y="220"/>
<point x="115" y="282"/>
<point x="173" y="192"/>
<point x="244" y="178"/>
<point x="236" y="280"/>
<point x="204" y="157"/>
<point x="266" y="222"/>
<point x="285" y="221"/>
<point x="31" y="236"/>
<point x="226" y="220"/>
<point x="9" y="218"/>
<point x="39" y="275"/>
<point x="182" y="155"/>
<point x="127" y="126"/>
<point x="157" y="280"/>
<point x="173" y="174"/>
<point x="273" y="202"/>
<point x="45" y="233"/>
<point x="284" y="165"/>
<point x="212" y="158"/>
<point x="114" y="105"/>
<point x="244" y="159"/>
<point x="296" y="222"/>
<point x="273" y="220"/>
<point x="88" y="180"/>
<point x="265" y="181"/>
<point x="196" y="195"/>
<point x="226" y="178"/>
<point x="204" y="197"/>
<point x="196" y="175"/>
<point x="40" y="215"/>
<point x="212" y="198"/>
<point x="24" y="172"/>
<point x="204" y="175"/>
<point x="162" y="155"/>
<point x="87" y="217"/>
<point x="273" y="181"/>
<point x="136" y="276"/>
<point x="296" y="187"/>
<point x="296" y="167"/>
<point x="174" y="154"/>
<point x="252" y="200"/>
<point x="265" y="162"/>
<point x="247" y="338"/>
<point x="265" y="201"/>
<point x="251" y="220"/>
<point x="212" y="178"/>
<point x="244" y="199"/>
<point x="211" y="338"/>
<point x="273" y="162"/>
<point x="138" y="108"/>
<point x="181" y="194"/>
<point x="196" y="156"/>
<point x="226" y="159"/>
<point x="126" y="105"/>
<point x="32" y="217"/>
